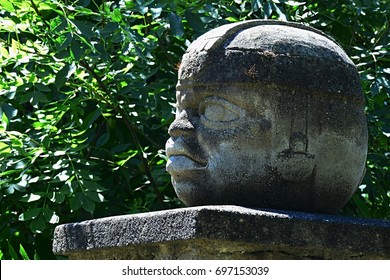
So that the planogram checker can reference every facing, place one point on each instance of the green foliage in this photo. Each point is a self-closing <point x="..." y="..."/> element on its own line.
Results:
<point x="86" y="95"/>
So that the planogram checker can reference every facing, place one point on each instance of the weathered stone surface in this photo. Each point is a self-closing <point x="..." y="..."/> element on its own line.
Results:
<point x="224" y="232"/>
<point x="269" y="114"/>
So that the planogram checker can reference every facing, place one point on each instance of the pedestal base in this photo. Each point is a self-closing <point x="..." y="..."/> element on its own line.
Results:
<point x="224" y="232"/>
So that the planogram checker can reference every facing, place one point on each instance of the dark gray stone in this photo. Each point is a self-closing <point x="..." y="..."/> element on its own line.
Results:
<point x="269" y="114"/>
<point x="224" y="232"/>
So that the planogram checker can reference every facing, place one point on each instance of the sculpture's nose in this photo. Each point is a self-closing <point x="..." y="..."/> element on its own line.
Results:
<point x="182" y="125"/>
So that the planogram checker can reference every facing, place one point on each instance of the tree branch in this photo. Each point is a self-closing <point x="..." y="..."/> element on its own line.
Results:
<point x="34" y="6"/>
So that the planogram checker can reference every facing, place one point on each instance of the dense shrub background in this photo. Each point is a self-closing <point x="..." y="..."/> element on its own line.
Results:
<point x="87" y="90"/>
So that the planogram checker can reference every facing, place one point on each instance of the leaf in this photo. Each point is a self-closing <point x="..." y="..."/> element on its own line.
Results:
<point x="143" y="9"/>
<point x="58" y="24"/>
<point x="16" y="143"/>
<point x="23" y="252"/>
<point x="279" y="11"/>
<point x="59" y="153"/>
<point x="84" y="3"/>
<point x="5" y="150"/>
<point x="267" y="10"/>
<point x="76" y="50"/>
<point x="363" y="207"/>
<point x="256" y="5"/>
<point x="61" y="76"/>
<point x="4" y="123"/>
<point x="120" y="148"/>
<point x="57" y="197"/>
<point x="374" y="89"/>
<point x="176" y="24"/>
<point x="31" y="197"/>
<point x="30" y="214"/>
<point x="90" y="119"/>
<point x="38" y="225"/>
<point x="38" y="97"/>
<point x="127" y="156"/>
<point x="88" y="174"/>
<point x="75" y="202"/>
<point x="60" y="164"/>
<point x="94" y="196"/>
<point x="62" y="176"/>
<point x="85" y="28"/>
<point x="294" y="3"/>
<point x="93" y="186"/>
<point x="116" y="15"/>
<point x="65" y="189"/>
<point x="42" y="87"/>
<point x="88" y="205"/>
<point x="64" y="41"/>
<point x="156" y="12"/>
<point x="10" y="189"/>
<point x="194" y="21"/>
<point x="7" y="5"/>
<point x="103" y="139"/>
<point x="50" y="216"/>
<point x="9" y="111"/>
<point x="12" y="252"/>
<point x="109" y="29"/>
<point x="4" y="52"/>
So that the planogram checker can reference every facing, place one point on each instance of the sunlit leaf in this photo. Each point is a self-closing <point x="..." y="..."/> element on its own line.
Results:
<point x="31" y="197"/>
<point x="5" y="149"/>
<point x="62" y="176"/>
<point x="50" y="216"/>
<point x="57" y="197"/>
<point x="116" y="15"/>
<point x="156" y="12"/>
<point x="23" y="252"/>
<point x="7" y="5"/>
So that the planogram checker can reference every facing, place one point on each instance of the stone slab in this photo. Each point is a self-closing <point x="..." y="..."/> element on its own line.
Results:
<point x="224" y="232"/>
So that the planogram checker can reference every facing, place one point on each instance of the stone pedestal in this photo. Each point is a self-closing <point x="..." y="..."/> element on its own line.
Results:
<point x="224" y="232"/>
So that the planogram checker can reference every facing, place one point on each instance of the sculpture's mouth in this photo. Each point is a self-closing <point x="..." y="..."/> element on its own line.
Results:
<point x="182" y="164"/>
<point x="180" y="159"/>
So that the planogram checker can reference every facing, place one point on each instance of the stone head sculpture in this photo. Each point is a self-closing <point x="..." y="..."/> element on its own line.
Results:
<point x="269" y="115"/>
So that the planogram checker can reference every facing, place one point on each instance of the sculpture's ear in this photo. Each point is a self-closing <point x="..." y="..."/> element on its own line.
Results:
<point x="295" y="166"/>
<point x="296" y="163"/>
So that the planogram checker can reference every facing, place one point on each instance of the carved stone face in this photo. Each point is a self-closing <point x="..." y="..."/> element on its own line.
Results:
<point x="213" y="141"/>
<point x="268" y="115"/>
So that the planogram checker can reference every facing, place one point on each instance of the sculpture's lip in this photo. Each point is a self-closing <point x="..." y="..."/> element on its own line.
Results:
<point x="184" y="153"/>
<point x="180" y="159"/>
<point x="178" y="147"/>
<point x="177" y="164"/>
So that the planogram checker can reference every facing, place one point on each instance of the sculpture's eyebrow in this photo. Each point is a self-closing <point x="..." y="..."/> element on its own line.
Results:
<point x="189" y="99"/>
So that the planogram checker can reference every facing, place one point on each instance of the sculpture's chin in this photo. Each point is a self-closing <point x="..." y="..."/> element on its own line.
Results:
<point x="193" y="192"/>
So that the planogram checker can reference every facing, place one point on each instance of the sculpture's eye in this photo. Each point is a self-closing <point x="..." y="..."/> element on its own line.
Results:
<point x="216" y="111"/>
